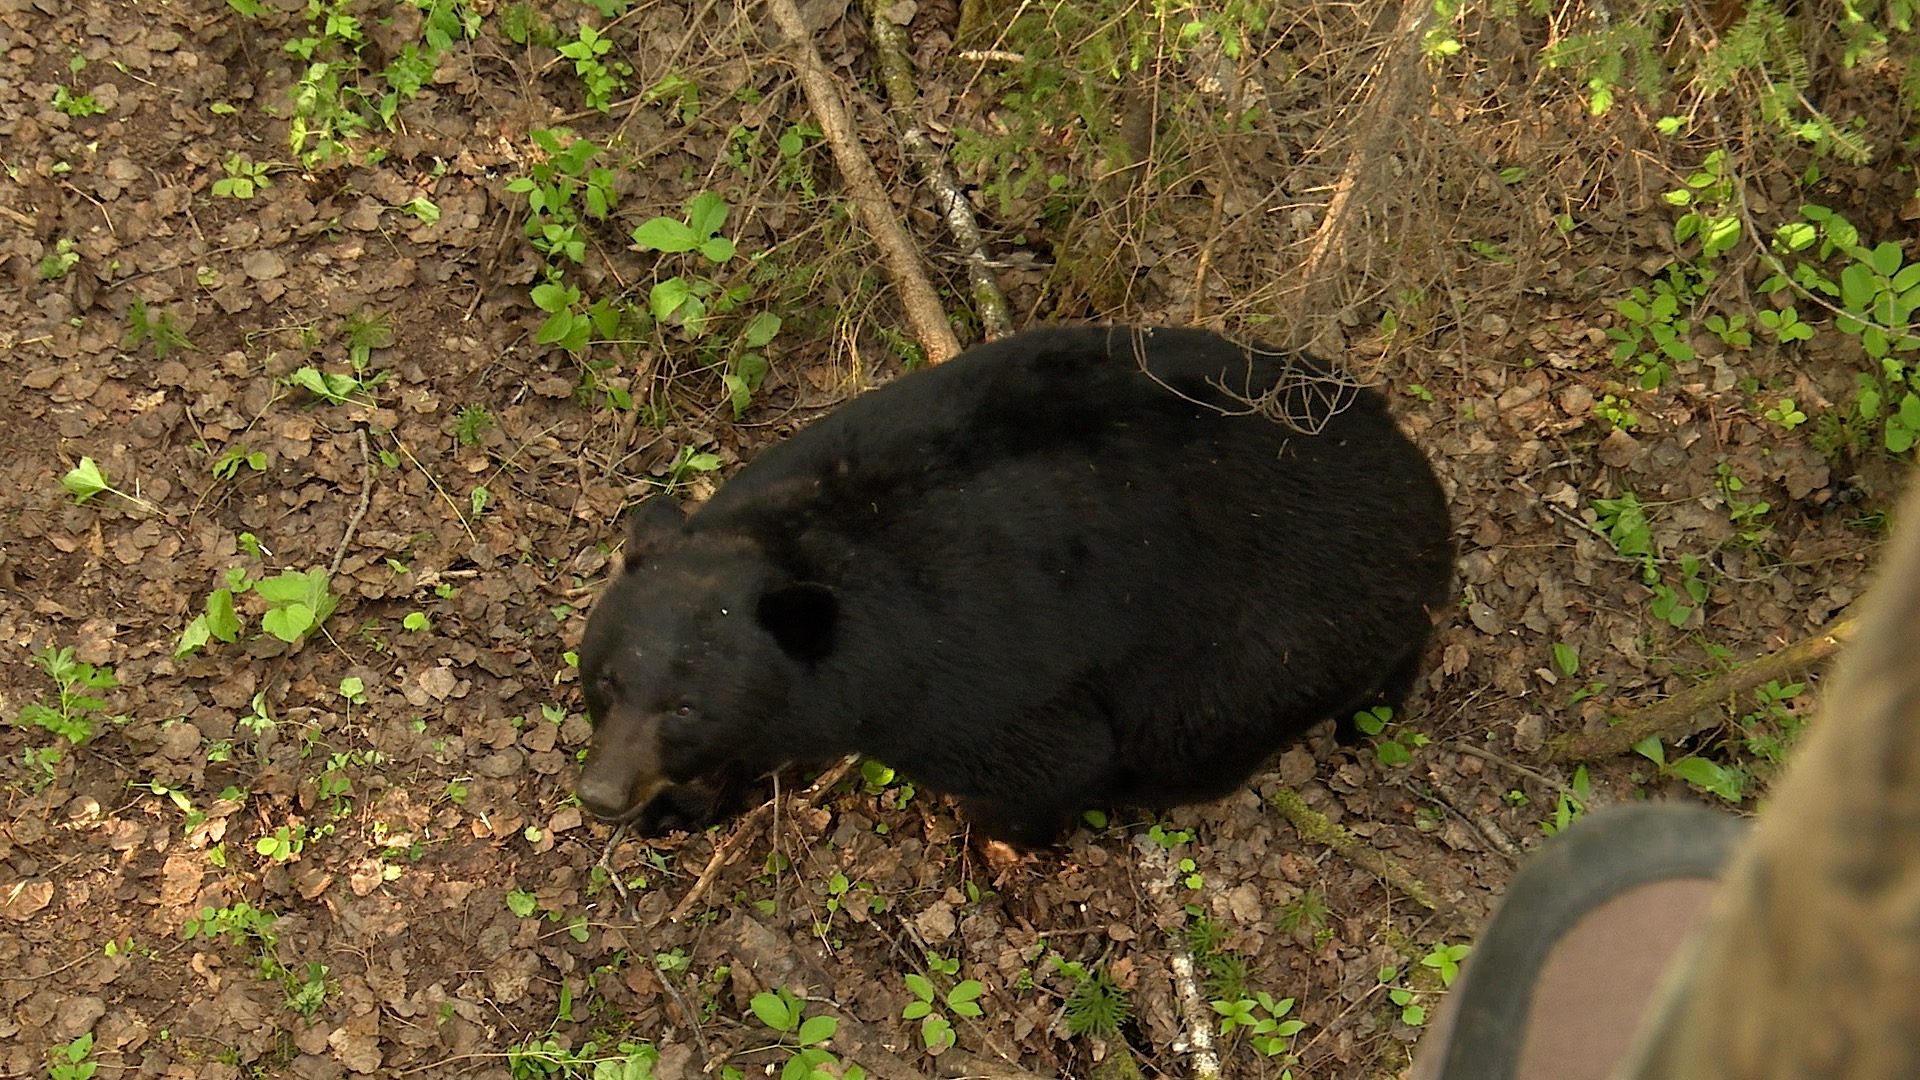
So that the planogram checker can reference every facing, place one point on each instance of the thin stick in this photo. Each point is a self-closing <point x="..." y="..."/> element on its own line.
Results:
<point x="725" y="853"/>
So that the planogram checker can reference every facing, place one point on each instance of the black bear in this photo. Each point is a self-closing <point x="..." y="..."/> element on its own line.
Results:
<point x="1074" y="567"/>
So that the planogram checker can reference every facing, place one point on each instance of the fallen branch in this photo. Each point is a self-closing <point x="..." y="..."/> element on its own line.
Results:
<point x="748" y="826"/>
<point x="896" y="74"/>
<point x="1674" y="717"/>
<point x="1314" y="827"/>
<point x="1196" y="1018"/>
<point x="922" y="304"/>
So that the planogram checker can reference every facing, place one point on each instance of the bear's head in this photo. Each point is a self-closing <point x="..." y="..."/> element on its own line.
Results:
<point x="687" y="665"/>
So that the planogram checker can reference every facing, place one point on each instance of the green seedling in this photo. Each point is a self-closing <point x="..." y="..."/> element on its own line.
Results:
<point x="245" y="926"/>
<point x="1390" y="749"/>
<point x="1712" y="197"/>
<point x="471" y="424"/>
<point x="1096" y="1006"/>
<point x="550" y="1059"/>
<point x="1654" y="329"/>
<point x="332" y="387"/>
<point x="803" y="1037"/>
<point x="1445" y="960"/>
<point x="307" y="996"/>
<point x="936" y="1031"/>
<point x="244" y="177"/>
<point x="72" y="103"/>
<point x="1785" y="324"/>
<point x="1264" y="1020"/>
<point x="54" y="265"/>
<point x="1572" y="803"/>
<point x="1877" y="293"/>
<point x="86" y="480"/>
<point x="154" y="328"/>
<point x="297" y="603"/>
<point x="678" y="300"/>
<point x="1307" y="911"/>
<point x="74" y="1060"/>
<point x="76" y="713"/>
<point x="1785" y="413"/>
<point x="561" y="190"/>
<point x="1412" y="1013"/>
<point x="599" y="78"/>
<point x="1617" y="413"/>
<point x="1750" y="531"/>
<point x="228" y="464"/>
<point x="1728" y="783"/>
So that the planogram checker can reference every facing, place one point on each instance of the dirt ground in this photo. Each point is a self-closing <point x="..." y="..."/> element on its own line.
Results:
<point x="360" y="854"/>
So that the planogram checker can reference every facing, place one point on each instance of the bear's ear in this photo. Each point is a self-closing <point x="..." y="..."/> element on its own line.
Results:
<point x="653" y="528"/>
<point x="801" y="618"/>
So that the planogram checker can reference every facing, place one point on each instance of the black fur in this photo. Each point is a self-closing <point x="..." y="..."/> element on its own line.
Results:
<point x="1035" y="577"/>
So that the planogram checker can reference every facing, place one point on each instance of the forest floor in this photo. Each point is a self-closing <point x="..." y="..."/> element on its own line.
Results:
<point x="353" y="393"/>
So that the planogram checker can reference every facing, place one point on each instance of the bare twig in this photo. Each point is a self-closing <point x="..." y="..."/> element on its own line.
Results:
<point x="1514" y="766"/>
<point x="749" y="824"/>
<point x="1676" y="716"/>
<point x="360" y="511"/>
<point x="928" y="318"/>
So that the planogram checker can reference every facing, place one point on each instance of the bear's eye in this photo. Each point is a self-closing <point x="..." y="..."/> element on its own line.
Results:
<point x="683" y="712"/>
<point x="606" y="684"/>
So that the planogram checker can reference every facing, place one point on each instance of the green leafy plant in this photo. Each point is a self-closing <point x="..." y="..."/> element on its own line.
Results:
<point x="1655" y="325"/>
<point x="470" y="425"/>
<point x="1750" y="530"/>
<point x="1307" y="911"/>
<point x="689" y="301"/>
<point x="1709" y="776"/>
<point x="244" y="177"/>
<point x="1623" y="521"/>
<point x="86" y="480"/>
<point x="1877" y="292"/>
<point x="64" y="256"/>
<point x="600" y="79"/>
<point x="803" y="1037"/>
<point x="73" y="1061"/>
<point x="308" y="995"/>
<point x="244" y="925"/>
<point x="1264" y="1021"/>
<point x="1571" y="804"/>
<point x="296" y="604"/>
<point x="936" y="1031"/>
<point x="547" y="1058"/>
<point x="562" y="189"/>
<point x="72" y="103"/>
<point x="76" y="713"/>
<point x="1388" y="748"/>
<point x="154" y="328"/>
<point x="227" y="465"/>
<point x="1711" y="196"/>
<point x="1785" y="413"/>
